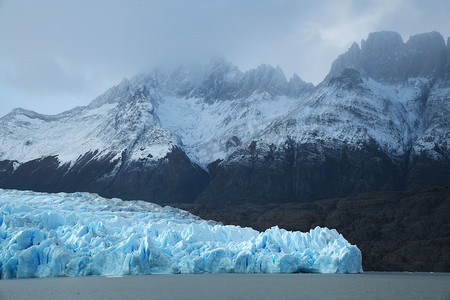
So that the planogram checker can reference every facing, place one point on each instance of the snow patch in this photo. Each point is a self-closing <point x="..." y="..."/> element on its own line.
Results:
<point x="207" y="130"/>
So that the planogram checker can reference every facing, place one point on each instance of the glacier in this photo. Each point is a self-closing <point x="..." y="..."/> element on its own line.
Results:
<point x="82" y="234"/>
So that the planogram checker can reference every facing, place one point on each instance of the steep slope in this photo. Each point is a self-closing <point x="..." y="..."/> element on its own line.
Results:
<point x="146" y="137"/>
<point x="216" y="111"/>
<point x="429" y="160"/>
<point x="363" y="129"/>
<point x="106" y="126"/>
<point x="104" y="147"/>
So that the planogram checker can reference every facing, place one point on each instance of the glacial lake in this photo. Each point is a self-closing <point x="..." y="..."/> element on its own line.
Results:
<point x="369" y="285"/>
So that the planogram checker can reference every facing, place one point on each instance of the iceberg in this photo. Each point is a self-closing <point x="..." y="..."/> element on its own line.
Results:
<point x="82" y="234"/>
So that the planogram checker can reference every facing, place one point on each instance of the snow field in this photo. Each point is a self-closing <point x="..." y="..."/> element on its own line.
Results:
<point x="81" y="234"/>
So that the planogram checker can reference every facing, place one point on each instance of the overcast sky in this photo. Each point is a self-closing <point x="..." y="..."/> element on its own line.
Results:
<point x="55" y="55"/>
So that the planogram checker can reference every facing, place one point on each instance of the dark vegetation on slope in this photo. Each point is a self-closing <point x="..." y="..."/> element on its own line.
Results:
<point x="298" y="173"/>
<point x="171" y="179"/>
<point x="396" y="231"/>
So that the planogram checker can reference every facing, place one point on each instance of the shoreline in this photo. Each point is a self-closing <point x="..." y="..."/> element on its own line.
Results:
<point x="368" y="285"/>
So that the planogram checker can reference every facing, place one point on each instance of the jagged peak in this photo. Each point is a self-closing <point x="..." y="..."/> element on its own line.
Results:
<point x="297" y="79"/>
<point x="280" y="74"/>
<point x="262" y="68"/>
<point x="433" y="37"/>
<point x="127" y="89"/>
<point x="222" y="69"/>
<point x="113" y="94"/>
<point x="149" y="80"/>
<point x="297" y="86"/>
<point x="382" y="41"/>
<point x="268" y="70"/>
<point x="349" y="59"/>
<point x="354" y="48"/>
<point x="385" y="57"/>
<point x="218" y="79"/>
<point x="141" y="93"/>
<point x="432" y="43"/>
<point x="279" y="69"/>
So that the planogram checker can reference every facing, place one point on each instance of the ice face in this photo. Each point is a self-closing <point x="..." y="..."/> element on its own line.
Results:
<point x="80" y="234"/>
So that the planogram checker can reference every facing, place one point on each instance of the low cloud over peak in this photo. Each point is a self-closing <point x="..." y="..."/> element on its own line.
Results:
<point x="56" y="55"/>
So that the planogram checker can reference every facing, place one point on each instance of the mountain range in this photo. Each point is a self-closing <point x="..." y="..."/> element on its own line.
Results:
<point x="214" y="134"/>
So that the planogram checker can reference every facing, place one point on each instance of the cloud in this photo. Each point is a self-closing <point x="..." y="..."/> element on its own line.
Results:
<point x="59" y="54"/>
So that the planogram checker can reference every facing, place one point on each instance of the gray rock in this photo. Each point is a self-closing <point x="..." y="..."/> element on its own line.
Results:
<point x="382" y="55"/>
<point x="448" y="50"/>
<point x="385" y="57"/>
<point x="263" y="79"/>
<point x="349" y="59"/>
<point x="298" y="87"/>
<point x="425" y="54"/>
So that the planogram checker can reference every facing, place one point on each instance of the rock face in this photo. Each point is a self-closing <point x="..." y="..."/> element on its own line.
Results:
<point x="299" y="171"/>
<point x="385" y="57"/>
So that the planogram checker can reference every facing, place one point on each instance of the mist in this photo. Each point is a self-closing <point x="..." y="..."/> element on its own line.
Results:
<point x="55" y="55"/>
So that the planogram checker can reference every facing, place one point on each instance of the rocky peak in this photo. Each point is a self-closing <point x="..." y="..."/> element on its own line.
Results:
<point x="296" y="86"/>
<point x="149" y="81"/>
<point x="380" y="53"/>
<point x="431" y="42"/>
<point x="382" y="43"/>
<point x="385" y="57"/>
<point x="425" y="54"/>
<point x="114" y="94"/>
<point x="135" y="113"/>
<point x="348" y="59"/>
<point x="264" y="79"/>
<point x="140" y="96"/>
<point x="182" y="80"/>
<point x="219" y="65"/>
<point x="219" y="82"/>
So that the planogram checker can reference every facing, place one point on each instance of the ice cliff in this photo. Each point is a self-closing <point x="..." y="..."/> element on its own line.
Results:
<point x="80" y="234"/>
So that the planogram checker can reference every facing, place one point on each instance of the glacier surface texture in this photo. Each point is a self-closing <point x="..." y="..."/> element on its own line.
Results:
<point x="80" y="234"/>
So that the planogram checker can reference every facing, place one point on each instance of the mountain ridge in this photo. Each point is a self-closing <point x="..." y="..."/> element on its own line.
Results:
<point x="235" y="132"/>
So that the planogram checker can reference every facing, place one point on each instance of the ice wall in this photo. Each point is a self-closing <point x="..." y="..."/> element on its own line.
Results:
<point x="81" y="234"/>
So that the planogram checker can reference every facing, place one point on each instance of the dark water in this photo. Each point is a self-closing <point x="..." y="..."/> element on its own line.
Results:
<point x="372" y="285"/>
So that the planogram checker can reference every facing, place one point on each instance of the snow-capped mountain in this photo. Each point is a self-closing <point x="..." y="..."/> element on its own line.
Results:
<point x="362" y="129"/>
<point x="212" y="133"/>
